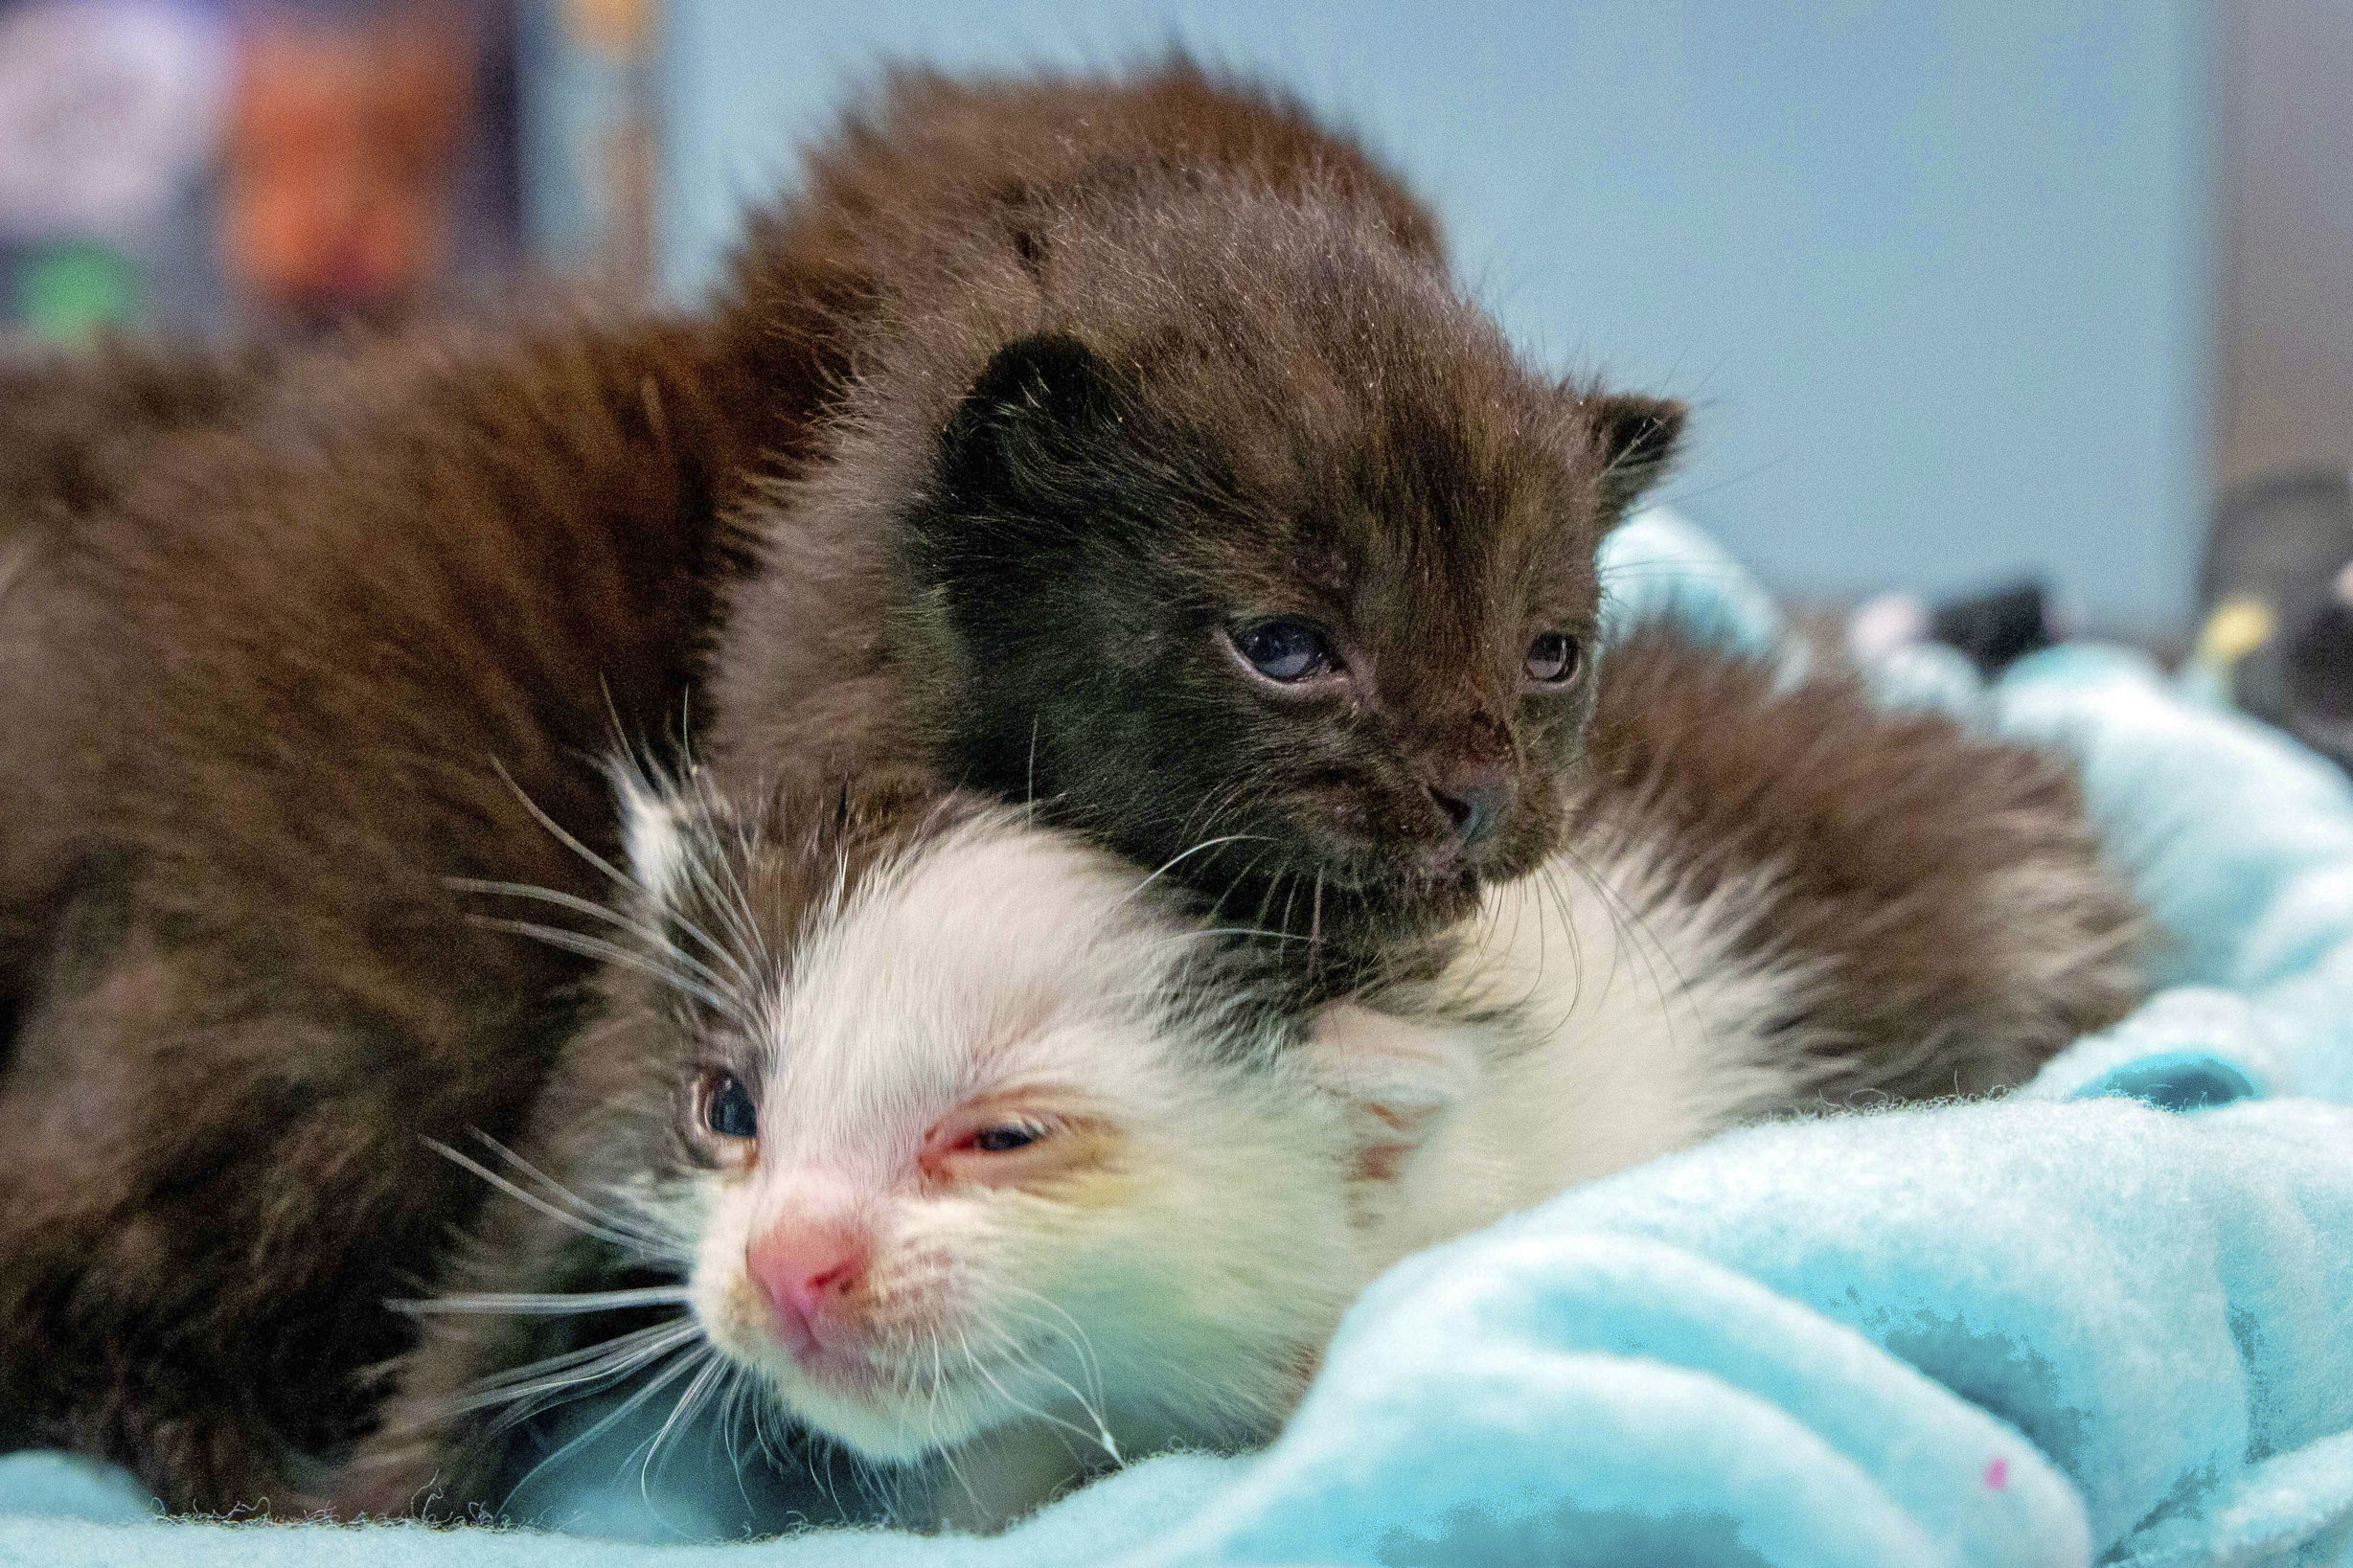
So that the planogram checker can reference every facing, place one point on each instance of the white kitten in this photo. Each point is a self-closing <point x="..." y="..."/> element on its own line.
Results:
<point x="1014" y="1148"/>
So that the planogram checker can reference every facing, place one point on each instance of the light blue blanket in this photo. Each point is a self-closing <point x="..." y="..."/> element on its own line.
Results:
<point x="2106" y="1320"/>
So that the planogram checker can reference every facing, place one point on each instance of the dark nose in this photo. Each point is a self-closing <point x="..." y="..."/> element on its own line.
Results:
<point x="1474" y="801"/>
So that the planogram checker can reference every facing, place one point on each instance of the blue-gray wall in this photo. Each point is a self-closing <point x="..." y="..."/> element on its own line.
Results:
<point x="1934" y="271"/>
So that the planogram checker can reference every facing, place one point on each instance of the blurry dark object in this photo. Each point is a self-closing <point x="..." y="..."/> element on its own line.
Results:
<point x="2321" y="663"/>
<point x="2277" y="583"/>
<point x="1997" y="629"/>
<point x="1994" y="629"/>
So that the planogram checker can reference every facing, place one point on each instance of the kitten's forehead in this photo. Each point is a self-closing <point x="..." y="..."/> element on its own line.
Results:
<point x="1378" y="426"/>
<point x="996" y="956"/>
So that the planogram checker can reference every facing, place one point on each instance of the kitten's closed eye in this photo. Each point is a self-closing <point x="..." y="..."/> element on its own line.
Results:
<point x="1007" y="1145"/>
<point x="1003" y="1140"/>
<point x="1285" y="650"/>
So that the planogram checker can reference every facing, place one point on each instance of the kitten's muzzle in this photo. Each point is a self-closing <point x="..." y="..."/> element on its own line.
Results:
<point x="1475" y="802"/>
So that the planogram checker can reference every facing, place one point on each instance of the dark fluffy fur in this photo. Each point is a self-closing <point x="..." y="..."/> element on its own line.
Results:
<point x="1120" y="391"/>
<point x="257" y="713"/>
<point x="74" y="428"/>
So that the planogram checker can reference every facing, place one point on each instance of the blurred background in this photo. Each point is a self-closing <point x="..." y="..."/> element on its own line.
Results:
<point x="1964" y="290"/>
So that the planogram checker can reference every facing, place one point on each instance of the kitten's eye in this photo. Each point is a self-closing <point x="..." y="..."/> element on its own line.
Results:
<point x="1285" y="650"/>
<point x="727" y="1107"/>
<point x="1000" y="1145"/>
<point x="1003" y="1140"/>
<point x="1553" y="658"/>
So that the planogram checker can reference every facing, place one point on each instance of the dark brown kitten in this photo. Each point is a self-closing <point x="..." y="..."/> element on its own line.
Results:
<point x="259" y="707"/>
<point x="1186" y="496"/>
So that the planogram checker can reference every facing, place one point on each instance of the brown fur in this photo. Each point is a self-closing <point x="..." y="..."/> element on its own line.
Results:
<point x="73" y="427"/>
<point x="1116" y="394"/>
<point x="258" y="707"/>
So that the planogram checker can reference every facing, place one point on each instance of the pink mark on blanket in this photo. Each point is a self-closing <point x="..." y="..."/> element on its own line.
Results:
<point x="1996" y="1473"/>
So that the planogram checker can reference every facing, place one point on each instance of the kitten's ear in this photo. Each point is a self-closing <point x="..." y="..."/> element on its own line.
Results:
<point x="1022" y="416"/>
<point x="1398" y="1080"/>
<point x="1638" y="437"/>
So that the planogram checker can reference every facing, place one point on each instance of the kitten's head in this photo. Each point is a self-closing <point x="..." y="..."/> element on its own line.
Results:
<point x="978" y="1133"/>
<point x="1277" y="560"/>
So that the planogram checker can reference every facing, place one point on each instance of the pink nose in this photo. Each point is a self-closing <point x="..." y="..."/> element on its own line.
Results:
<point x="803" y="1273"/>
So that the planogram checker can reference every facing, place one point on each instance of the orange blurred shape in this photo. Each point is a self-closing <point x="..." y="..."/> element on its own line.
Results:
<point x="617" y="28"/>
<point x="340" y="156"/>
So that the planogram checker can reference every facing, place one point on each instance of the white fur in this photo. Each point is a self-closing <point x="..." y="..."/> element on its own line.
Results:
<point x="1183" y="1294"/>
<point x="1617" y="1020"/>
<point x="1182" y="1302"/>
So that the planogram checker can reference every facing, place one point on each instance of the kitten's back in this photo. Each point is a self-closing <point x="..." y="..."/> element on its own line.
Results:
<point x="1946" y="884"/>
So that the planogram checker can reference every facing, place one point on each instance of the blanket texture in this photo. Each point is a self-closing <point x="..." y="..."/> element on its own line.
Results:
<point x="2108" y="1319"/>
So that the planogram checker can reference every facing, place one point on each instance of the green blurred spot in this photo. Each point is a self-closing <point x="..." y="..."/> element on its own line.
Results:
<point x="68" y="291"/>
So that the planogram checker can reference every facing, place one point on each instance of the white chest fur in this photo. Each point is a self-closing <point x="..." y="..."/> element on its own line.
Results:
<point x="1600" y="1018"/>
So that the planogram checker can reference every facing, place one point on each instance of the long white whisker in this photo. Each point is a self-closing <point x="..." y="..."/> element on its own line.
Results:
<point x="659" y="1238"/>
<point x="652" y="935"/>
<point x="931" y="1418"/>
<point x="731" y="1426"/>
<point x="1075" y="1331"/>
<point x="611" y="1418"/>
<point x="735" y="905"/>
<point x="552" y="1304"/>
<point x="1021" y="1356"/>
<point x="633" y="1243"/>
<point x="714" y="1365"/>
<point x="657" y="1336"/>
<point x="562" y="835"/>
<point x="1174" y="860"/>
<point x="525" y="1399"/>
<point x="596" y="947"/>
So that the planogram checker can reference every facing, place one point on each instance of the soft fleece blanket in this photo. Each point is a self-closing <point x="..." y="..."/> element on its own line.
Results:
<point x="2109" y="1319"/>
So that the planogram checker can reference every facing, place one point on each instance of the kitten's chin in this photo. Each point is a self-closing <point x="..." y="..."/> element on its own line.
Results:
<point x="886" y="1409"/>
<point x="1344" y="901"/>
<point x="1424" y="903"/>
<point x="889" y="1416"/>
